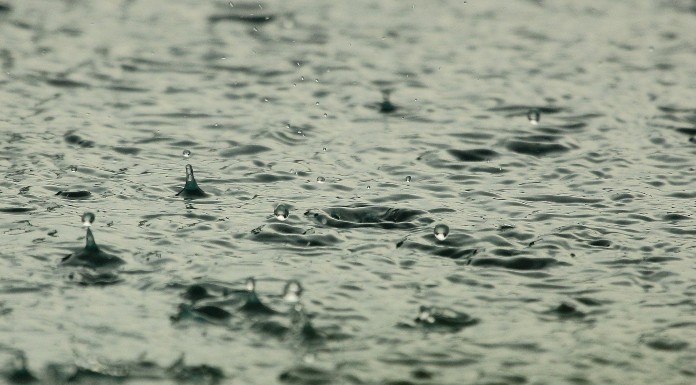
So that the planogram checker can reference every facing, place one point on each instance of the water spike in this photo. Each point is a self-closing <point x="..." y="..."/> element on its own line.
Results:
<point x="191" y="188"/>
<point x="386" y="106"/>
<point x="90" y="244"/>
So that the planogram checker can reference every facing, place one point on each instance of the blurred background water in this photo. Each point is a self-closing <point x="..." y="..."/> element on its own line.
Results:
<point x="555" y="140"/>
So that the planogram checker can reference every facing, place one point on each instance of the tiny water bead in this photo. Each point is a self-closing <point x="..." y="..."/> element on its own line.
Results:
<point x="281" y="212"/>
<point x="321" y="179"/>
<point x="533" y="115"/>
<point x="187" y="153"/>
<point x="87" y="219"/>
<point x="408" y="179"/>
<point x="73" y="168"/>
<point x="292" y="291"/>
<point x="441" y="231"/>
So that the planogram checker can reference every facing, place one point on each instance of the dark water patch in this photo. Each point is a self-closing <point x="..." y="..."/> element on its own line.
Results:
<point x="16" y="210"/>
<point x="664" y="343"/>
<point x="307" y="238"/>
<point x="310" y="375"/>
<point x="251" y="149"/>
<point x="366" y="216"/>
<point x="204" y="313"/>
<point x="242" y="18"/>
<point x="86" y="277"/>
<point x="127" y="150"/>
<point x="566" y="311"/>
<point x="76" y="139"/>
<point x="5" y="8"/>
<point x="562" y="199"/>
<point x="527" y="147"/>
<point x="66" y="83"/>
<point x="518" y="263"/>
<point x="80" y="194"/>
<point x="476" y="155"/>
<point x="522" y="110"/>
<point x="600" y="243"/>
<point x="439" y="318"/>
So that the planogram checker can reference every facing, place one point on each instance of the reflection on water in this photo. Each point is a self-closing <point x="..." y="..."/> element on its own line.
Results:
<point x="521" y="172"/>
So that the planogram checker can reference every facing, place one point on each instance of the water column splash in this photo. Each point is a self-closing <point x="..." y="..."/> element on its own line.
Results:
<point x="386" y="106"/>
<point x="91" y="256"/>
<point x="253" y="304"/>
<point x="191" y="189"/>
<point x="533" y="116"/>
<point x="301" y="324"/>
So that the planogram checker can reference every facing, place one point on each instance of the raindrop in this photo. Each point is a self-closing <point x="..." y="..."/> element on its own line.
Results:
<point x="187" y="153"/>
<point x="533" y="116"/>
<point x="368" y="187"/>
<point x="441" y="231"/>
<point x="324" y="149"/>
<point x="73" y="168"/>
<point x="321" y="179"/>
<point x="408" y="179"/>
<point x="250" y="284"/>
<point x="292" y="291"/>
<point x="281" y="212"/>
<point x="231" y="4"/>
<point x="316" y="104"/>
<point x="87" y="219"/>
<point x="326" y="115"/>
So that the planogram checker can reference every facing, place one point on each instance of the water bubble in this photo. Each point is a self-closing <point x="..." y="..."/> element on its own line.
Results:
<point x="187" y="153"/>
<point x="533" y="115"/>
<point x="292" y="291"/>
<point x="321" y="179"/>
<point x="441" y="231"/>
<point x="408" y="179"/>
<point x="281" y="212"/>
<point x="250" y="284"/>
<point x="73" y="168"/>
<point x="87" y="219"/>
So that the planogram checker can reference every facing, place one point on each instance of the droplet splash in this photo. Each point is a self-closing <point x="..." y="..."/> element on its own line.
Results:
<point x="87" y="219"/>
<point x="533" y="115"/>
<point x="321" y="179"/>
<point x="187" y="153"/>
<point x="441" y="231"/>
<point x="281" y="212"/>
<point x="292" y="291"/>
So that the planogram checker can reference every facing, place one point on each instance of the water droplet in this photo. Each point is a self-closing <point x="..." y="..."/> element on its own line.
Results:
<point x="316" y="104"/>
<point x="87" y="219"/>
<point x="73" y="168"/>
<point x="533" y="116"/>
<point x="187" y="153"/>
<point x="231" y="4"/>
<point x="281" y="212"/>
<point x="250" y="284"/>
<point x="324" y="149"/>
<point x="292" y="291"/>
<point x="441" y="231"/>
<point x="326" y="115"/>
<point x="408" y="179"/>
<point x="321" y="179"/>
<point x="368" y="186"/>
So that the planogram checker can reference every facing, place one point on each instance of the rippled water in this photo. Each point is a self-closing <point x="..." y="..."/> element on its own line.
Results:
<point x="554" y="139"/>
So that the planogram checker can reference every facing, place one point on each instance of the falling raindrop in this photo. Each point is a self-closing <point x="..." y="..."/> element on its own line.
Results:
<point x="87" y="219"/>
<point x="321" y="179"/>
<point x="441" y="231"/>
<point x="187" y="153"/>
<point x="533" y="116"/>
<point x="281" y="212"/>
<point x="408" y="179"/>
